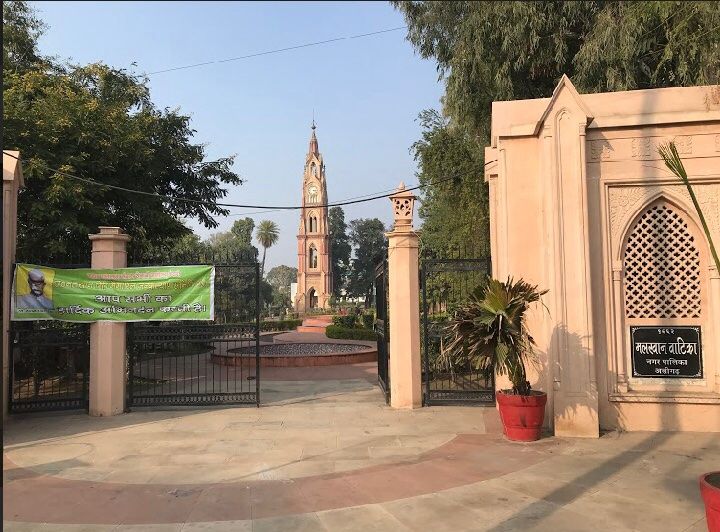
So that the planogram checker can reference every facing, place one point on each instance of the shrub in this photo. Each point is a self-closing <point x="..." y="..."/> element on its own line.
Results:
<point x="489" y="331"/>
<point x="317" y="312"/>
<point x="279" y="325"/>
<point x="368" y="320"/>
<point x="347" y="322"/>
<point x="344" y="333"/>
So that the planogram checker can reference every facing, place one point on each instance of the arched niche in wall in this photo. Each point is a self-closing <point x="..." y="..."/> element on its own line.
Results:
<point x="661" y="299"/>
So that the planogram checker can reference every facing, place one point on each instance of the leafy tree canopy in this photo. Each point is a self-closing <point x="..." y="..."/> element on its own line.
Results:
<point x="280" y="278"/>
<point x="21" y="30"/>
<point x="455" y="212"/>
<point x="490" y="51"/>
<point x="367" y="236"/>
<point x="243" y="230"/>
<point x="340" y="248"/>
<point x="99" y="123"/>
<point x="227" y="244"/>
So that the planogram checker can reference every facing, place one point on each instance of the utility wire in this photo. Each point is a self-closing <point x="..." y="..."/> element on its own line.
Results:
<point x="392" y="190"/>
<point x="276" y="51"/>
<point x="216" y="204"/>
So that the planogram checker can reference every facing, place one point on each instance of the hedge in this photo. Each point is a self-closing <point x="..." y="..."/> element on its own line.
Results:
<point x="280" y="325"/>
<point x="347" y="321"/>
<point x="368" y="320"/>
<point x="345" y="333"/>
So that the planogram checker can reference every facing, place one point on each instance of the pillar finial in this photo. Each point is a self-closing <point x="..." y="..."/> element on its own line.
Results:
<point x="403" y="202"/>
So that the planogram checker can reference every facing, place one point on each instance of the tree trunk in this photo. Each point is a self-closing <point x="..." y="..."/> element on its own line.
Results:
<point x="262" y="268"/>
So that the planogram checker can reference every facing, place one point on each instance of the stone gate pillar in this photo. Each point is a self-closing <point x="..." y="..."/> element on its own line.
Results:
<point x="12" y="183"/>
<point x="404" y="305"/>
<point x="107" y="339"/>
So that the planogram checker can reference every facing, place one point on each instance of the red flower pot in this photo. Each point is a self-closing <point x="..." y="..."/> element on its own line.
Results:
<point x="710" y="491"/>
<point x="522" y="415"/>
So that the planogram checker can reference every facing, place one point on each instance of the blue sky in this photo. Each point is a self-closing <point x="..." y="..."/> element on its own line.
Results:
<point x="365" y="92"/>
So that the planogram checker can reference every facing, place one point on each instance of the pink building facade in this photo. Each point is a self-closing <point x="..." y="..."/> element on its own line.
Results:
<point x="582" y="204"/>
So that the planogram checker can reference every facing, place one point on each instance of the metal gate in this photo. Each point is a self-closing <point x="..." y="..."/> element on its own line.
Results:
<point x="49" y="360"/>
<point x="446" y="283"/>
<point x="202" y="363"/>
<point x="382" y="327"/>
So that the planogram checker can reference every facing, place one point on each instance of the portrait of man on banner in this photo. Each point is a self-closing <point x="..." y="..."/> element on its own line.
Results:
<point x="34" y="289"/>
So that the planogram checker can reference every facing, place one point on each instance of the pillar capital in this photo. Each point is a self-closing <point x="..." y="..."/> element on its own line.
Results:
<point x="403" y="202"/>
<point x="109" y="233"/>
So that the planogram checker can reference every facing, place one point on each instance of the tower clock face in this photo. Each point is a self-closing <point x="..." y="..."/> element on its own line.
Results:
<point x="312" y="194"/>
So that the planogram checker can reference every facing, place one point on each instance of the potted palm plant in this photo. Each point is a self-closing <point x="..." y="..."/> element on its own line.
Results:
<point x="489" y="331"/>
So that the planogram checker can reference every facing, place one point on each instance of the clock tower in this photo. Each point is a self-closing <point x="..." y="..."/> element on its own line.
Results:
<point x="314" y="266"/>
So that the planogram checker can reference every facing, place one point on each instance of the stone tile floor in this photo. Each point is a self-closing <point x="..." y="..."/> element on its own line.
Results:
<point x="328" y="454"/>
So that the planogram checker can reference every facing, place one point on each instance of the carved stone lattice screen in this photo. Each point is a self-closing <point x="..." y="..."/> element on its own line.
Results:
<point x="662" y="267"/>
<point x="403" y="208"/>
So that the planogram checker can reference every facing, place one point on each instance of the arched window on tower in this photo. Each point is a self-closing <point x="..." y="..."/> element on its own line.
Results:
<point x="313" y="169"/>
<point x="312" y="256"/>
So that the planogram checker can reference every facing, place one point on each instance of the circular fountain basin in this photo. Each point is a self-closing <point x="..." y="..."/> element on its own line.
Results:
<point x="300" y="354"/>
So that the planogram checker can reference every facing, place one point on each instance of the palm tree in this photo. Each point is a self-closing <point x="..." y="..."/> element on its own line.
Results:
<point x="267" y="234"/>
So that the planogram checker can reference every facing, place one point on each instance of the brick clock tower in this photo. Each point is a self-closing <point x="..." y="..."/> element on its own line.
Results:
<point x="314" y="266"/>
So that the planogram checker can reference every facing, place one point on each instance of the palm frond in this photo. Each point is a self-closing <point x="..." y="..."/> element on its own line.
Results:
<point x="489" y="332"/>
<point x="672" y="159"/>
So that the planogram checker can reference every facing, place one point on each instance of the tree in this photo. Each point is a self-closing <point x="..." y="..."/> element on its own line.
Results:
<point x="267" y="235"/>
<point x="267" y="294"/>
<point x="99" y="123"/>
<point x="339" y="248"/>
<point x="367" y="236"/>
<point x="280" y="278"/>
<point x="227" y="247"/>
<point x="489" y="51"/>
<point x="455" y="212"/>
<point x="243" y="230"/>
<point x="21" y="30"/>
<point x="187" y="248"/>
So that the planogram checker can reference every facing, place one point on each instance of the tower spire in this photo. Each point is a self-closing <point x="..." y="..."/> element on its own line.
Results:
<point x="313" y="140"/>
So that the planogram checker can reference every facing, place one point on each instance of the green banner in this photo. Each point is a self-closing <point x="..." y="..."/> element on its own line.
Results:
<point x="122" y="294"/>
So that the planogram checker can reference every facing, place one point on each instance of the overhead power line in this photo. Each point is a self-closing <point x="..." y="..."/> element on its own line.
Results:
<point x="235" y="205"/>
<point x="276" y="51"/>
<point x="391" y="190"/>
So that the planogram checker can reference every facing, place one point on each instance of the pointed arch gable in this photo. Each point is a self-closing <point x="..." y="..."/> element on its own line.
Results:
<point x="671" y="196"/>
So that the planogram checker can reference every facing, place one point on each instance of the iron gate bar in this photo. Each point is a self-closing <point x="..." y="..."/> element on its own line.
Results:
<point x="381" y="327"/>
<point x="257" y="334"/>
<point x="44" y="339"/>
<point x="463" y="389"/>
<point x="199" y="381"/>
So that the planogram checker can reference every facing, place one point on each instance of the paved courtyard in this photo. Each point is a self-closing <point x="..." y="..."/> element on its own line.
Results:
<point x="326" y="453"/>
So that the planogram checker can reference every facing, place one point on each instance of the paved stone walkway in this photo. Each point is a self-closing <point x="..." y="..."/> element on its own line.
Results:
<point x="328" y="454"/>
